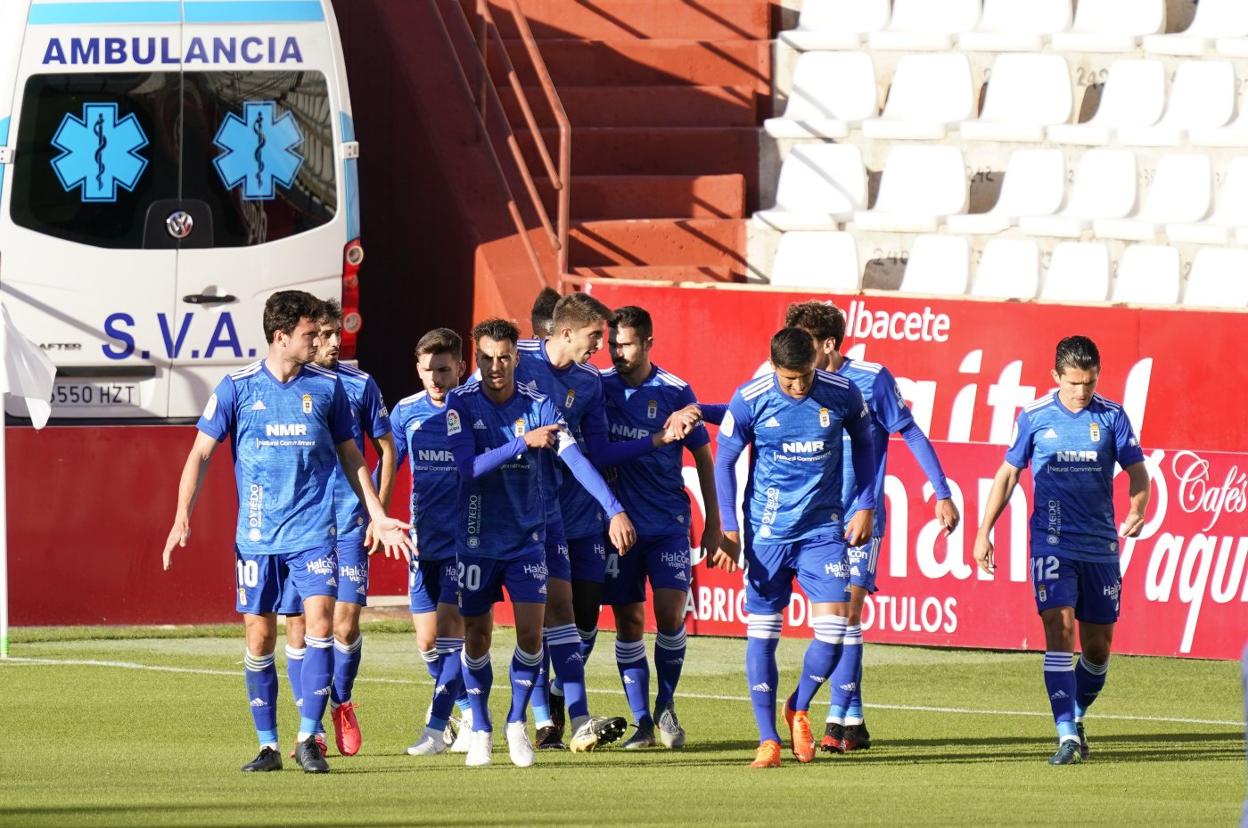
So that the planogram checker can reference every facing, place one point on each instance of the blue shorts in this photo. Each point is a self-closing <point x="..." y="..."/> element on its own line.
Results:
<point x="1094" y="589"/>
<point x="270" y="583"/>
<point x="664" y="559"/>
<point x="481" y="580"/>
<point x="862" y="563"/>
<point x="352" y="578"/>
<point x="430" y="583"/>
<point x="820" y="565"/>
<point x="589" y="558"/>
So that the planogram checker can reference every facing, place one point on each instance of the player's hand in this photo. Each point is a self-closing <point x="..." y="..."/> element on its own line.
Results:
<point x="728" y="555"/>
<point x="680" y="423"/>
<point x="710" y="538"/>
<point x="622" y="533"/>
<point x="392" y="534"/>
<point x="542" y="438"/>
<point x="178" y="536"/>
<point x="947" y="514"/>
<point x="371" y="543"/>
<point x="858" y="530"/>
<point x="983" y="554"/>
<point x="1131" y="527"/>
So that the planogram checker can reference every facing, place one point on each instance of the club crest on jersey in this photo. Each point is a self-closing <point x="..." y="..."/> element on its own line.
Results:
<point x="519" y="428"/>
<point x="652" y="409"/>
<point x="571" y="398"/>
<point x="1042" y="593"/>
<point x="825" y="419"/>
<point x="452" y="423"/>
<point x="1094" y="432"/>
<point x="307" y="403"/>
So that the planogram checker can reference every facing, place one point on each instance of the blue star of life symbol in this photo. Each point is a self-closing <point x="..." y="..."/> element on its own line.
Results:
<point x="257" y="150"/>
<point x="99" y="152"/>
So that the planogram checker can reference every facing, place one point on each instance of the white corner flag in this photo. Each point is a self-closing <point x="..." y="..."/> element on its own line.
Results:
<point x="28" y="374"/>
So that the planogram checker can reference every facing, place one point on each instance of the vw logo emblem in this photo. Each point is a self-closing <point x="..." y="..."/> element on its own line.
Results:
<point x="179" y="224"/>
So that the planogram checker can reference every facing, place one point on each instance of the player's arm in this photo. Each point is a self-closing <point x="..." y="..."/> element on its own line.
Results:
<point x="736" y="432"/>
<point x="862" y="455"/>
<point x="192" y="478"/>
<point x="713" y="413"/>
<point x="1003" y="484"/>
<point x="704" y="462"/>
<point x="620" y="530"/>
<point x="386" y="465"/>
<point x="888" y="406"/>
<point x="1138" y="491"/>
<point x="606" y="453"/>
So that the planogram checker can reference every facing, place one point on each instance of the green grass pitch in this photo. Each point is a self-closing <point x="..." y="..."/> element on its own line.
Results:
<point x="154" y="731"/>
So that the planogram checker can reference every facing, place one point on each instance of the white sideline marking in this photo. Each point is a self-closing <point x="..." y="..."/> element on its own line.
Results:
<point x="915" y="708"/>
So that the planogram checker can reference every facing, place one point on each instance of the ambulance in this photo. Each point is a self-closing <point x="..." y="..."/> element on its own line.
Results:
<point x="165" y="166"/>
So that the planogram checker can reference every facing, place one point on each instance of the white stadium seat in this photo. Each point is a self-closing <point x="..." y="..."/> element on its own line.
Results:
<point x="1219" y="278"/>
<point x="1105" y="187"/>
<point x="832" y="93"/>
<point x="1134" y="95"/>
<point x="1017" y="25"/>
<point x="1078" y="272"/>
<point x="1009" y="269"/>
<point x="1214" y="20"/>
<point x="1034" y="185"/>
<point x="1181" y="193"/>
<point x="926" y="25"/>
<point x="820" y="259"/>
<point x="836" y="24"/>
<point x="921" y="184"/>
<point x="1026" y="93"/>
<point x="1201" y="98"/>
<point x="820" y="185"/>
<point x="1111" y="25"/>
<point x="1229" y="216"/>
<point x="1233" y="134"/>
<point x="929" y="94"/>
<point x="938" y="265"/>
<point x="1148" y="274"/>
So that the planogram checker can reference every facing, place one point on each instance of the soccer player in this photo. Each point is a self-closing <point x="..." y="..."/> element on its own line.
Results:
<point x="419" y="425"/>
<point x="793" y="420"/>
<point x="492" y="426"/>
<point x="640" y="397"/>
<point x="290" y="428"/>
<point x="354" y="539"/>
<point x="1071" y="437"/>
<point x="845" y="728"/>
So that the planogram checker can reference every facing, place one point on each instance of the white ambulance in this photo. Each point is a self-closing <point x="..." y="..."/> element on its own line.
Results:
<point x="166" y="165"/>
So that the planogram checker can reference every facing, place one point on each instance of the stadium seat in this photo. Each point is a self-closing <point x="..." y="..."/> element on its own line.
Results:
<point x="1111" y="25"/>
<point x="1148" y="274"/>
<point x="836" y="24"/>
<point x="1009" y="269"/>
<point x="1214" y="20"/>
<point x="1034" y="185"/>
<point x="821" y="260"/>
<point x="1016" y="25"/>
<point x="1026" y="93"/>
<point x="926" y="25"/>
<point x="938" y="265"/>
<point x="1229" y="216"/>
<point x="1201" y="97"/>
<point x="1219" y="278"/>
<point x="820" y="185"/>
<point x="1233" y="134"/>
<point x="1078" y="272"/>
<point x="1134" y="95"/>
<point x="832" y="93"/>
<point x="1105" y="187"/>
<point x="1181" y="193"/>
<point x="921" y="185"/>
<point x="929" y="95"/>
<point x="1232" y="47"/>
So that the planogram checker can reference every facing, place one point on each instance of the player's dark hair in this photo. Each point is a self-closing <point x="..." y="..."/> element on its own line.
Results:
<point x="822" y="320"/>
<point x="792" y="349"/>
<point x="631" y="316"/>
<point x="440" y="341"/>
<point x="331" y="311"/>
<point x="496" y="329"/>
<point x="284" y="309"/>
<point x="542" y="316"/>
<point x="1076" y="352"/>
<point x="576" y="310"/>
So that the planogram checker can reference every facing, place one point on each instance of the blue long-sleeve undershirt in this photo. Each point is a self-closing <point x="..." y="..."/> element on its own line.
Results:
<point x="923" y="452"/>
<point x="471" y="466"/>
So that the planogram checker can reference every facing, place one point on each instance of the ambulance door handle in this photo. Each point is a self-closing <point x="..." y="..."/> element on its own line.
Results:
<point x="209" y="299"/>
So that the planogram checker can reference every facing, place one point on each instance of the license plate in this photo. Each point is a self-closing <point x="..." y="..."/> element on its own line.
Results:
<point x="70" y="394"/>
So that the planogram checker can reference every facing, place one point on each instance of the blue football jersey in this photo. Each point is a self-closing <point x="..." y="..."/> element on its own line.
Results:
<point x="283" y="437"/>
<point x="576" y="392"/>
<point x="419" y="428"/>
<point x="500" y="514"/>
<point x="1072" y="458"/>
<point x="889" y="415"/>
<point x="651" y="487"/>
<point x="371" y="420"/>
<point x="793" y="491"/>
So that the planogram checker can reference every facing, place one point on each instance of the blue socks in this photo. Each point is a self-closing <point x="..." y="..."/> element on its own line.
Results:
<point x="669" y="660"/>
<point x="761" y="672"/>
<point x="540" y="700"/>
<point x="448" y="683"/>
<point x="634" y="667"/>
<point x="853" y="713"/>
<point x="823" y="655"/>
<point x="567" y="660"/>
<point x="588" y="639"/>
<point x="1059" y="681"/>
<point x="318" y="664"/>
<point x="846" y="673"/>
<point x="294" y="674"/>
<point x="478" y="679"/>
<point x="346" y="667"/>
<point x="524" y="670"/>
<point x="1089" y="679"/>
<point x="261" y="675"/>
<point x="432" y="659"/>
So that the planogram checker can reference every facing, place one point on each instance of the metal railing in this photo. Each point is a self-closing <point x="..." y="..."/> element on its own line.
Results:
<point x="485" y="95"/>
